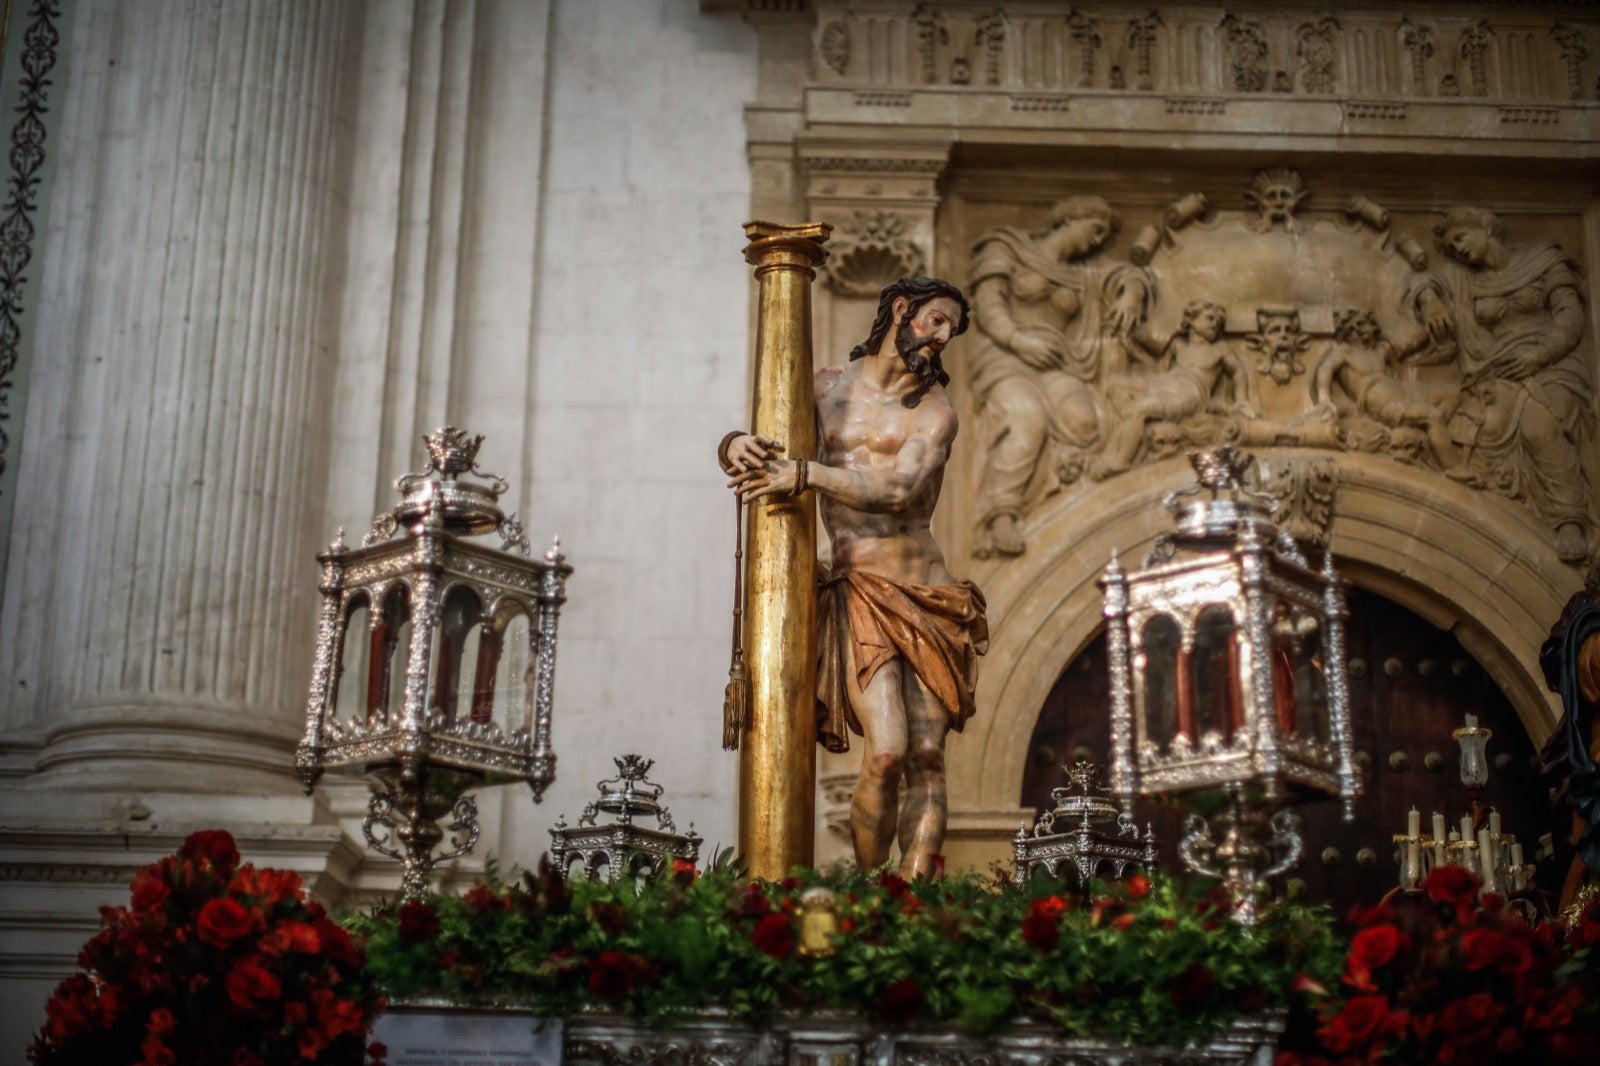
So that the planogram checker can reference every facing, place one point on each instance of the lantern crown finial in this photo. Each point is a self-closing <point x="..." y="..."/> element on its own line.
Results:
<point x="439" y="498"/>
<point x="451" y="451"/>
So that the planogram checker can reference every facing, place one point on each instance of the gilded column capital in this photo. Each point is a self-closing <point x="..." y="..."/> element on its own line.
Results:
<point x="773" y="246"/>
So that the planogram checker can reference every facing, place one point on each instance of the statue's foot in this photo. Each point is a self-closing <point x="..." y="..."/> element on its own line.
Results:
<point x="1004" y="536"/>
<point x="1464" y="474"/>
<point x="1571" y="545"/>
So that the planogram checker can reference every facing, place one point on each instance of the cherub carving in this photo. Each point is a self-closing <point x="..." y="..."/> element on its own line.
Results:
<point x="1195" y="361"/>
<point x="1354" y="380"/>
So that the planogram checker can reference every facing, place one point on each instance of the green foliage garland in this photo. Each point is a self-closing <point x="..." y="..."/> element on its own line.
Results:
<point x="1149" y="963"/>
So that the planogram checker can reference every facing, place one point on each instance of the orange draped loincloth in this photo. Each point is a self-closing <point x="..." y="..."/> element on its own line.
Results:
<point x="939" y="629"/>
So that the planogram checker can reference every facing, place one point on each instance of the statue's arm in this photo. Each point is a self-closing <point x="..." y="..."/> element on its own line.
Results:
<point x="1244" y="382"/>
<point x="1322" y="376"/>
<point x="992" y="304"/>
<point x="890" y="488"/>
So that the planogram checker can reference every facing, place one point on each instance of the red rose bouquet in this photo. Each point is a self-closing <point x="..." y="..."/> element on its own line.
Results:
<point x="1442" y="976"/>
<point x="213" y="963"/>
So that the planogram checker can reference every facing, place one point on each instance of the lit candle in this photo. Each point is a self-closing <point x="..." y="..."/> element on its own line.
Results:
<point x="1438" y="828"/>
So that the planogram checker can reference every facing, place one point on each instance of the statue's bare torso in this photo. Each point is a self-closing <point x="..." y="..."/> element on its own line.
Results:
<point x="869" y="431"/>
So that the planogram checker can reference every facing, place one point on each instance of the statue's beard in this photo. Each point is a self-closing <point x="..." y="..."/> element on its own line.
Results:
<point x="927" y="369"/>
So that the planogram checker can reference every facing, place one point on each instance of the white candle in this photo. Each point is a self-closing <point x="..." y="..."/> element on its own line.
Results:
<point x="1438" y="827"/>
<point x="1517" y="873"/>
<point x="1466" y="827"/>
<point x="1414" y="823"/>
<point x="1494" y="823"/>
<point x="1472" y="721"/>
<point x="1486" y="861"/>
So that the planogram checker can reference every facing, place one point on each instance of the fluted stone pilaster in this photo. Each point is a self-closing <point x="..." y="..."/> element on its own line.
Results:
<point x="156" y="629"/>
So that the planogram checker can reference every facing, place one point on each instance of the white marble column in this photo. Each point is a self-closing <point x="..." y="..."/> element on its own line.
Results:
<point x="156" y="627"/>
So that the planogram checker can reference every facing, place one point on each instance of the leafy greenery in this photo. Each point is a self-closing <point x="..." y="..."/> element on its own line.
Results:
<point x="1147" y="962"/>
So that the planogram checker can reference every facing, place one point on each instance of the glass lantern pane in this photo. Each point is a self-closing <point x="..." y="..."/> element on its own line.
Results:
<point x="459" y="615"/>
<point x="391" y="645"/>
<point x="1310" y="682"/>
<point x="513" y="676"/>
<point x="1158" y="688"/>
<point x="1213" y="674"/>
<point x="349" y="698"/>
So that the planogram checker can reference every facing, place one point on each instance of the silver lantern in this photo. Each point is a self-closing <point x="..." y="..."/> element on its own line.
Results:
<point x="435" y="659"/>
<point x="1228" y="681"/>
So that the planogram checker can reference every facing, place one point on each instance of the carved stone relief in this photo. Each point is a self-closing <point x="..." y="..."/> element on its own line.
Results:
<point x="1185" y="49"/>
<point x="1278" y="325"/>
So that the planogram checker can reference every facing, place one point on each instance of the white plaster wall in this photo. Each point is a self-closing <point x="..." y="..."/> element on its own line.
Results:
<point x="640" y="331"/>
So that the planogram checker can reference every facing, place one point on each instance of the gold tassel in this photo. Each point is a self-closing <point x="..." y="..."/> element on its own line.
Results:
<point x="735" y="705"/>
<point x="736" y="697"/>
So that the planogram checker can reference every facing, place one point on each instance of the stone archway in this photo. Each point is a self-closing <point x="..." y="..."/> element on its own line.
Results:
<point x="1411" y="536"/>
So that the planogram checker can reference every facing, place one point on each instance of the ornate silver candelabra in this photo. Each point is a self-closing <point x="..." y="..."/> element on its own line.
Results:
<point x="435" y="660"/>
<point x="623" y="846"/>
<point x="1084" y="832"/>
<point x="1227" y="679"/>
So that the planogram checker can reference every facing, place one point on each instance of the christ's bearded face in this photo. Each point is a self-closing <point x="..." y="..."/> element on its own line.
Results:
<point x="921" y="337"/>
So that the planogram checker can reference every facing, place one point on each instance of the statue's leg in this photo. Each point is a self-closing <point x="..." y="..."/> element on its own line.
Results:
<point x="926" y="810"/>
<point x="876" y="804"/>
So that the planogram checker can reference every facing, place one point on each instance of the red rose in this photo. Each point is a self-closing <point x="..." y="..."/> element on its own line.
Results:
<point x="252" y="987"/>
<point x="612" y="974"/>
<point x="1469" y="1022"/>
<point x="150" y="889"/>
<point x="268" y="885"/>
<point x="214" y="846"/>
<point x="1480" y="948"/>
<point x="1191" y="986"/>
<point x="1454" y="885"/>
<point x="1363" y="1021"/>
<point x="683" y="872"/>
<point x="483" y="899"/>
<point x="336" y="1016"/>
<point x="336" y="943"/>
<point x="1138" y="886"/>
<point x="774" y="935"/>
<point x="1041" y="926"/>
<point x="896" y="884"/>
<point x="292" y="936"/>
<point x="900" y="1002"/>
<point x="1376" y="946"/>
<point x="156" y="1053"/>
<point x="223" y="921"/>
<point x="418" y="922"/>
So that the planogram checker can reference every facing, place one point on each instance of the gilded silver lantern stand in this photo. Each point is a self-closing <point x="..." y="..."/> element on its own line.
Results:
<point x="435" y="660"/>
<point x="622" y="845"/>
<point x="1228" y="679"/>
<point x="1084" y="839"/>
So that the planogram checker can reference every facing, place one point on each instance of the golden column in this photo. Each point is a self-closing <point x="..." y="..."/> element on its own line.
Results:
<point x="777" y="757"/>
